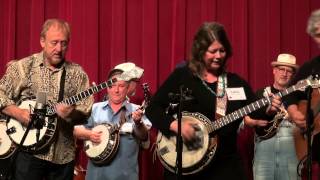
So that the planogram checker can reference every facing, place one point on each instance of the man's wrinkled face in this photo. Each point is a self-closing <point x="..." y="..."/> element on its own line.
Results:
<point x="54" y="45"/>
<point x="282" y="75"/>
<point x="118" y="91"/>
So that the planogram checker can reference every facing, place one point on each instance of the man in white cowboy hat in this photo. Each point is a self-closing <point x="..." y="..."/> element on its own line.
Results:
<point x="131" y="73"/>
<point x="134" y="74"/>
<point x="275" y="155"/>
<point x="133" y="133"/>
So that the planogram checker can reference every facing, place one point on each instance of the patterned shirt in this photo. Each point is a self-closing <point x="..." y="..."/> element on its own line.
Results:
<point x="25" y="77"/>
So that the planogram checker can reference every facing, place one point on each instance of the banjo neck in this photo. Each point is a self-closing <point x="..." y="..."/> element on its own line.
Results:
<point x="240" y="113"/>
<point x="125" y="76"/>
<point x="80" y="96"/>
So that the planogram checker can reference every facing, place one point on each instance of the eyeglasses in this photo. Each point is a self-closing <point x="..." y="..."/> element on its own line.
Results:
<point x="285" y="70"/>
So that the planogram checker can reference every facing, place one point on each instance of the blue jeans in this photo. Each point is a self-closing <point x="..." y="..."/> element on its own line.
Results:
<point x="275" y="158"/>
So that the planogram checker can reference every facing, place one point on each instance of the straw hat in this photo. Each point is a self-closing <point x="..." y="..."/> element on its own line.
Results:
<point x="285" y="60"/>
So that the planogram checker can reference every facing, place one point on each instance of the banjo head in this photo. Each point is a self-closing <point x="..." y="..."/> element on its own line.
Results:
<point x="93" y="149"/>
<point x="19" y="129"/>
<point x="6" y="144"/>
<point x="194" y="157"/>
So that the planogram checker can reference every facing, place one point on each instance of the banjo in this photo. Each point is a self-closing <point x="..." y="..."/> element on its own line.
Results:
<point x="197" y="155"/>
<point x="272" y="127"/>
<point x="104" y="152"/>
<point x="7" y="148"/>
<point x="37" y="140"/>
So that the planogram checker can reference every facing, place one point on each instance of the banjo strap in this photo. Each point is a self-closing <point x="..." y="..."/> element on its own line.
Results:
<point x="221" y="101"/>
<point x="62" y="83"/>
<point x="123" y="118"/>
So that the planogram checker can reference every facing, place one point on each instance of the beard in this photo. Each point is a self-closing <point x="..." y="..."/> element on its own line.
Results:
<point x="283" y="82"/>
<point x="55" y="60"/>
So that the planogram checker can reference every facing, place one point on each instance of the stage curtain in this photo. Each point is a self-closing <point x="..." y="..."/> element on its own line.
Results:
<point x="157" y="35"/>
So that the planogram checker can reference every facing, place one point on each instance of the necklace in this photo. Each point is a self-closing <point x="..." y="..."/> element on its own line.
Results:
<point x="221" y="85"/>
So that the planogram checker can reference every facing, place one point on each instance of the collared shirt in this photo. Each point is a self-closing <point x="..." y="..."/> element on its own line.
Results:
<point x="125" y="163"/>
<point x="25" y="77"/>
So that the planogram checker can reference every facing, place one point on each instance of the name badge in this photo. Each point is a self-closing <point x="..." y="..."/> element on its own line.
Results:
<point x="236" y="94"/>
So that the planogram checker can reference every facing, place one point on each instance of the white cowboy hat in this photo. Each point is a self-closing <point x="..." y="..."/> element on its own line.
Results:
<point x="130" y="69"/>
<point x="285" y="60"/>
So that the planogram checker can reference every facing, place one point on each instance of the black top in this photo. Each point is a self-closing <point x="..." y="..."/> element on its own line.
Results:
<point x="204" y="103"/>
<point x="311" y="67"/>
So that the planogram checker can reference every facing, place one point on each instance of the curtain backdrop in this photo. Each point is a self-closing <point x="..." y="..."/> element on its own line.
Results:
<point x="157" y="34"/>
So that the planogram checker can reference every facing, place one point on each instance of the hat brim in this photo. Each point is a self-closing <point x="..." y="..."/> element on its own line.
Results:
<point x="275" y="63"/>
<point x="113" y="72"/>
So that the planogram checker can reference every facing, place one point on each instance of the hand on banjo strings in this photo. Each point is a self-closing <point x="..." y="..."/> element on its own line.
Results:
<point x="190" y="132"/>
<point x="136" y="116"/>
<point x="254" y="122"/>
<point x="275" y="105"/>
<point x="196" y="141"/>
<point x="95" y="136"/>
<point x="22" y="115"/>
<point x="64" y="110"/>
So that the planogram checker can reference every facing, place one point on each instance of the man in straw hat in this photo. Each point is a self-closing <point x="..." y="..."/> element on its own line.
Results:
<point x="275" y="156"/>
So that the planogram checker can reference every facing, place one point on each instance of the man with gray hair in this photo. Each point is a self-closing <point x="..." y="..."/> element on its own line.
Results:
<point x="313" y="26"/>
<point x="310" y="67"/>
<point x="50" y="74"/>
<point x="274" y="151"/>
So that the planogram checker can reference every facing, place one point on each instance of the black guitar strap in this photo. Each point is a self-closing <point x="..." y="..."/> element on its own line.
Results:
<point x="62" y="83"/>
